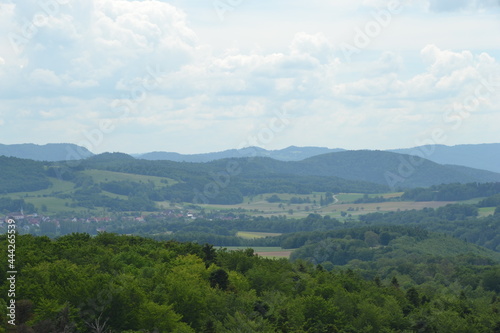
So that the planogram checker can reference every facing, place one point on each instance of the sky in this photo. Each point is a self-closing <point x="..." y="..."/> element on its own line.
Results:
<point x="194" y="76"/>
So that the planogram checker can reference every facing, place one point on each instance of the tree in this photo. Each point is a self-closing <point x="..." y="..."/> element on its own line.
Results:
<point x="273" y="198"/>
<point x="413" y="296"/>
<point x="371" y="238"/>
<point x="395" y="282"/>
<point x="219" y="279"/>
<point x="98" y="325"/>
<point x="491" y="280"/>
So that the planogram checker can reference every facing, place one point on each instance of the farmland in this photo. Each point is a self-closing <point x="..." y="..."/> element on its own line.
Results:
<point x="267" y="252"/>
<point x="258" y="205"/>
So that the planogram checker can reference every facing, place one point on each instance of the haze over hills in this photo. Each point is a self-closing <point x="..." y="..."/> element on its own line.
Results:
<point x="477" y="156"/>
<point x="380" y="167"/>
<point x="50" y="152"/>
<point x="376" y="167"/>
<point x="480" y="156"/>
<point x="291" y="153"/>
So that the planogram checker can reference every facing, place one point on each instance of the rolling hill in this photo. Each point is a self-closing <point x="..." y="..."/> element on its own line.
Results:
<point x="376" y="167"/>
<point x="227" y="181"/>
<point x="477" y="156"/>
<point x="395" y="170"/>
<point x="379" y="167"/>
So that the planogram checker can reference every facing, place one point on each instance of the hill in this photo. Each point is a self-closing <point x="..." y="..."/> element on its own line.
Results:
<point x="480" y="156"/>
<point x="21" y="175"/>
<point x="49" y="152"/>
<point x="395" y="170"/>
<point x="291" y="153"/>
<point x="228" y="181"/>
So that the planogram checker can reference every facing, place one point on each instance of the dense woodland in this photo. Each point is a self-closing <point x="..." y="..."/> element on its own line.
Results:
<point x="452" y="192"/>
<point x="22" y="175"/>
<point x="106" y="283"/>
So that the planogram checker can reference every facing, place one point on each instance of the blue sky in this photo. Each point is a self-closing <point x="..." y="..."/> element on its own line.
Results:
<point x="198" y="76"/>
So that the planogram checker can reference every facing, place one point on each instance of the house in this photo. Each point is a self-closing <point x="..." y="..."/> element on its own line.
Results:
<point x="16" y="215"/>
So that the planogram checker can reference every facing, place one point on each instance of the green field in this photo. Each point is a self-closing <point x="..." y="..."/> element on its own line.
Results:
<point x="102" y="176"/>
<point x="267" y="252"/>
<point x="58" y="186"/>
<point x="486" y="211"/>
<point x="351" y="197"/>
<point x="46" y="197"/>
<point x="258" y="205"/>
<point x="253" y="235"/>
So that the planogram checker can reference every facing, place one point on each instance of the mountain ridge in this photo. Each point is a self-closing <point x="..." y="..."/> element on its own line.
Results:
<point x="51" y="152"/>
<point x="477" y="156"/>
<point x="485" y="156"/>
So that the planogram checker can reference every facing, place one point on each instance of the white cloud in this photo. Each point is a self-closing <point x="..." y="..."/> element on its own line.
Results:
<point x="444" y="61"/>
<point x="316" y="46"/>
<point x="462" y="5"/>
<point x="44" y="77"/>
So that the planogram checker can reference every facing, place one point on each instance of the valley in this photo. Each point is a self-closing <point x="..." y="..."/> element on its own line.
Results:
<point x="269" y="226"/>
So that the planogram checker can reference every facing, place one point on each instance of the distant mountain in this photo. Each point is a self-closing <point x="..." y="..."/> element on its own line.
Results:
<point x="376" y="167"/>
<point x="291" y="153"/>
<point x="480" y="156"/>
<point x="386" y="168"/>
<point x="50" y="152"/>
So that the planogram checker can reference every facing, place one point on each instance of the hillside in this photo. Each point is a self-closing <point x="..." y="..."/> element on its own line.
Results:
<point x="349" y="171"/>
<point x="479" y="156"/>
<point x="373" y="244"/>
<point x="49" y="152"/>
<point x="21" y="175"/>
<point x="395" y="170"/>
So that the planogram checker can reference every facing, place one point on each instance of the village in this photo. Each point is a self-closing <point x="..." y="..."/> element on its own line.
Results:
<point x="39" y="224"/>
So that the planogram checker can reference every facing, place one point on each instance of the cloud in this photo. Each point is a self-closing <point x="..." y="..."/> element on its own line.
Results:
<point x="462" y="5"/>
<point x="316" y="45"/>
<point x="44" y="77"/>
<point x="97" y="43"/>
<point x="150" y="69"/>
<point x="445" y="61"/>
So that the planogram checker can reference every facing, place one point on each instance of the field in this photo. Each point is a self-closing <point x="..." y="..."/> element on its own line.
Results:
<point x="486" y="211"/>
<point x="340" y="209"/>
<point x="267" y="252"/>
<point x="253" y="235"/>
<point x="47" y="198"/>
<point x="102" y="176"/>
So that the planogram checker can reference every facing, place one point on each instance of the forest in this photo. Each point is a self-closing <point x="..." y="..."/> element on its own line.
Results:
<point x="112" y="283"/>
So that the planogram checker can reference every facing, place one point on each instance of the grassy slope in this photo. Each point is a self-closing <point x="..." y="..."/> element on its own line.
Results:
<point x="102" y="176"/>
<point x="56" y="205"/>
